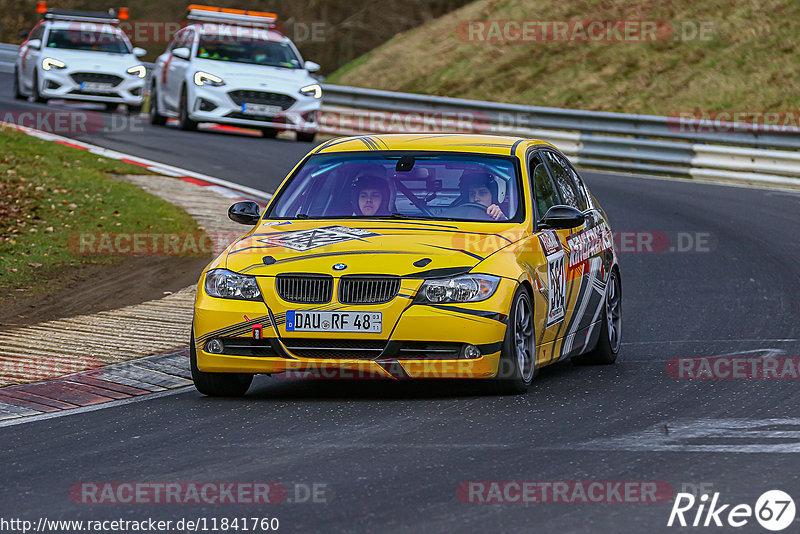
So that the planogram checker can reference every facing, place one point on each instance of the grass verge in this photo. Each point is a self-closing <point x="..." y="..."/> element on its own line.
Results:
<point x="48" y="192"/>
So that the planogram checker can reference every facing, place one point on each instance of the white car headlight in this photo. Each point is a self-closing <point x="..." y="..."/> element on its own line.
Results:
<point x="138" y="70"/>
<point x="226" y="284"/>
<point x="204" y="78"/>
<point x="314" y="90"/>
<point x="52" y="63"/>
<point x="467" y="288"/>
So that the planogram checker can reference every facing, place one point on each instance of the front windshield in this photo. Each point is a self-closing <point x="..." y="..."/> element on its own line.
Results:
<point x="435" y="186"/>
<point x="250" y="50"/>
<point x="94" y="41"/>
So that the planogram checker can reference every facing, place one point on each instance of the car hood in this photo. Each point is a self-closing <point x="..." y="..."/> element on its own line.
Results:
<point x="82" y="60"/>
<point x="368" y="246"/>
<point x="241" y="73"/>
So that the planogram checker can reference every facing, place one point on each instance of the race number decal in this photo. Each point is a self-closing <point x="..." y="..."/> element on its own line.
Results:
<point x="556" y="277"/>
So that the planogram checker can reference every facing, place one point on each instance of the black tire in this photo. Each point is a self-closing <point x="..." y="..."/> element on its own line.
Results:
<point x="111" y="106"/>
<point x="17" y="90"/>
<point x="517" y="365"/>
<point x="306" y="137"/>
<point x="607" y="348"/>
<point x="269" y="133"/>
<point x="37" y="97"/>
<point x="184" y="122"/>
<point x="133" y="111"/>
<point x="217" y="384"/>
<point x="156" y="118"/>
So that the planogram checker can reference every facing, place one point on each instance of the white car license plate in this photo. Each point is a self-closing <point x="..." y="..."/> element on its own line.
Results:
<point x="327" y="321"/>
<point x="95" y="87"/>
<point x="260" y="109"/>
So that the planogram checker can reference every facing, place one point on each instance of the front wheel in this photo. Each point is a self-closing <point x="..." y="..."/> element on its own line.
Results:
<point x="17" y="91"/>
<point x="306" y="137"/>
<point x="217" y="384"/>
<point x="269" y="133"/>
<point x="37" y="97"/>
<point x="184" y="122"/>
<point x="517" y="365"/>
<point x="607" y="348"/>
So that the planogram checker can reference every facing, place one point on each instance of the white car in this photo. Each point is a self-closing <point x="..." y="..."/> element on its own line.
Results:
<point x="80" y="56"/>
<point x="233" y="68"/>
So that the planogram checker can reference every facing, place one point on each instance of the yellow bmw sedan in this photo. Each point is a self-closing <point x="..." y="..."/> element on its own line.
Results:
<point x="413" y="256"/>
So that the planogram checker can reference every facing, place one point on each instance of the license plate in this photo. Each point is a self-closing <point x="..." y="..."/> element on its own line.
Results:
<point x="95" y="87"/>
<point x="260" y="109"/>
<point x="326" y="321"/>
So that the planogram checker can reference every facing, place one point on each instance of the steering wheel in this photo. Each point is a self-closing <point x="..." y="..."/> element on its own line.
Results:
<point x="469" y="210"/>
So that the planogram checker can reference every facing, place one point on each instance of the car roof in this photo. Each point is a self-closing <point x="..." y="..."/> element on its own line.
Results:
<point x="210" y="28"/>
<point x="474" y="143"/>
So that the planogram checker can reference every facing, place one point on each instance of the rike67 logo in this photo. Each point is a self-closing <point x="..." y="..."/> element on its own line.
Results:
<point x="774" y="510"/>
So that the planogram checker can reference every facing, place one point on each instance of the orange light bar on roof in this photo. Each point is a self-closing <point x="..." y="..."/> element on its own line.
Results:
<point x="41" y="7"/>
<point x="230" y="11"/>
<point x="124" y="14"/>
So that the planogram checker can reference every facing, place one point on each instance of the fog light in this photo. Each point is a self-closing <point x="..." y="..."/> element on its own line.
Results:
<point x="470" y="352"/>
<point x="206" y="105"/>
<point x="53" y="85"/>
<point x="214" y="346"/>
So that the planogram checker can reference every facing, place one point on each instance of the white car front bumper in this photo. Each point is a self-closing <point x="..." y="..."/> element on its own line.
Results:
<point x="72" y="85"/>
<point x="224" y="105"/>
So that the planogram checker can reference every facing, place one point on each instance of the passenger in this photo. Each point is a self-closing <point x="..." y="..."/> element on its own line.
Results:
<point x="481" y="188"/>
<point x="370" y="196"/>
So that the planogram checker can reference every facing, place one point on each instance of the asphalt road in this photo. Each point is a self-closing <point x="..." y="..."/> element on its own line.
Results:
<point x="389" y="457"/>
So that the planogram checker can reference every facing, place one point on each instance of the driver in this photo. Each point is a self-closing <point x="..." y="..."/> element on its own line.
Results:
<point x="370" y="196"/>
<point x="481" y="188"/>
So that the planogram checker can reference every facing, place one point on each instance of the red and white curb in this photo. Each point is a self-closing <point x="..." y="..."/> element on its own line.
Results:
<point x="223" y="187"/>
<point x="95" y="388"/>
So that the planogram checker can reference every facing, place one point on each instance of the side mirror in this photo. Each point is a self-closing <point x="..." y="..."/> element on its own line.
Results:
<point x="139" y="52"/>
<point x="310" y="66"/>
<point x="36" y="44"/>
<point x="562" y="217"/>
<point x="181" y="52"/>
<point x="244" y="212"/>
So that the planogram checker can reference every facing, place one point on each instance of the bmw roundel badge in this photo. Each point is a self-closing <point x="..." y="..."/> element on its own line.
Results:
<point x="339" y="267"/>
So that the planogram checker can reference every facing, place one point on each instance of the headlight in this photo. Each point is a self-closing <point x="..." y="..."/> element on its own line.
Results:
<point x="468" y="288"/>
<point x="138" y="70"/>
<point x="226" y="284"/>
<point x="49" y="63"/>
<point x="204" y="78"/>
<point x="314" y="90"/>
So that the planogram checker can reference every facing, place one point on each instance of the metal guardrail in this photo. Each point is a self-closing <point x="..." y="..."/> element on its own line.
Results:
<point x="613" y="141"/>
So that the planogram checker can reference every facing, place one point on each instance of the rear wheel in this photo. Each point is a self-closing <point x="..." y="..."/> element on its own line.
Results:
<point x="306" y="137"/>
<point x="605" y="353"/>
<point x="156" y="118"/>
<point x="184" y="122"/>
<point x="17" y="91"/>
<point x="517" y="365"/>
<point x="217" y="384"/>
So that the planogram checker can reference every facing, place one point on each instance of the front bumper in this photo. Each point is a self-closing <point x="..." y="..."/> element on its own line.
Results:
<point x="418" y="341"/>
<point x="302" y="115"/>
<point x="59" y="83"/>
